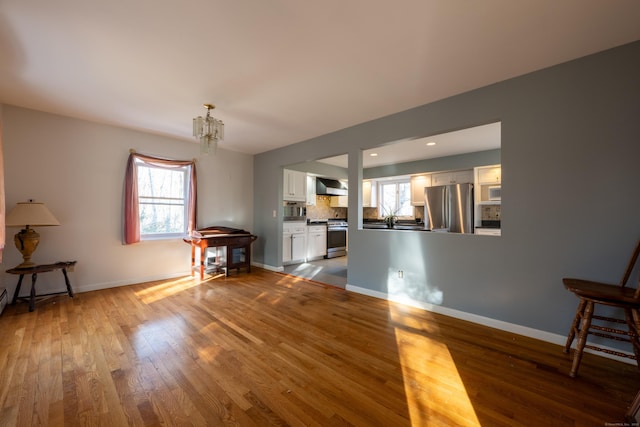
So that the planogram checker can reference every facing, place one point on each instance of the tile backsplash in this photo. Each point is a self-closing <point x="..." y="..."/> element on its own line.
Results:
<point x="323" y="210"/>
<point x="374" y="213"/>
<point x="370" y="213"/>
<point x="491" y="212"/>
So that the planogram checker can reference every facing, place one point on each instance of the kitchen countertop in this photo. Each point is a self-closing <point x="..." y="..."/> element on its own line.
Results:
<point x="400" y="225"/>
<point x="410" y="226"/>
<point x="379" y="224"/>
<point x="316" y="222"/>
<point x="374" y="224"/>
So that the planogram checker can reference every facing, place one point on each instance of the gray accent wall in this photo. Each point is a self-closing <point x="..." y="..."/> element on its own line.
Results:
<point x="571" y="168"/>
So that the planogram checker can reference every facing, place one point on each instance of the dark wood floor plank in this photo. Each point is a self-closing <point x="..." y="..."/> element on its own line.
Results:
<point x="269" y="349"/>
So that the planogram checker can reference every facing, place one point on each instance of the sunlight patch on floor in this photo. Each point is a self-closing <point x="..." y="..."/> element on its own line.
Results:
<point x="431" y="379"/>
<point x="166" y="289"/>
<point x="306" y="270"/>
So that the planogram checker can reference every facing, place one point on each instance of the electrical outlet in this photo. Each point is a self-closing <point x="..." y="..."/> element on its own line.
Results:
<point x="400" y="274"/>
<point x="274" y="213"/>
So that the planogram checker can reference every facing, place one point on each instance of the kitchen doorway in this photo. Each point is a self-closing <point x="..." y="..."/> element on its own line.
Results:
<point x="325" y="205"/>
<point x="331" y="271"/>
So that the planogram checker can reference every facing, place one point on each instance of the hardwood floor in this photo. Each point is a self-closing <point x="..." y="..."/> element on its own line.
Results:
<point x="269" y="349"/>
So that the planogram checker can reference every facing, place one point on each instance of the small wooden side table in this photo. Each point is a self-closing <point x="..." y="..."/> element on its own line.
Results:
<point x="34" y="270"/>
<point x="238" y="243"/>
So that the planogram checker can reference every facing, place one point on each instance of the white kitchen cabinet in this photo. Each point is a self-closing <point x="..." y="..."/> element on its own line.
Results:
<point x="294" y="242"/>
<point x="316" y="241"/>
<point x="488" y="231"/>
<point x="286" y="248"/>
<point x="453" y="177"/>
<point x="369" y="194"/>
<point x="339" y="202"/>
<point x="418" y="184"/>
<point x="295" y="186"/>
<point x="489" y="175"/>
<point x="487" y="208"/>
<point x="298" y="247"/>
<point x="311" y="190"/>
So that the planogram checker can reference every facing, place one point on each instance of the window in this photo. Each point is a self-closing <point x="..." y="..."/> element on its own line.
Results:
<point x="160" y="198"/>
<point x="395" y="198"/>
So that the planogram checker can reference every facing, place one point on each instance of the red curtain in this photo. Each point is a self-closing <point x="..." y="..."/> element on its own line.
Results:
<point x="131" y="208"/>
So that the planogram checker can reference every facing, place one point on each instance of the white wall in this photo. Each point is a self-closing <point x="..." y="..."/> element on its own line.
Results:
<point x="77" y="168"/>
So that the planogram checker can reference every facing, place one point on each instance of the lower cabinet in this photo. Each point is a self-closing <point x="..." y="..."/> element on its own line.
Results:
<point x="294" y="242"/>
<point x="316" y="241"/>
<point x="298" y="247"/>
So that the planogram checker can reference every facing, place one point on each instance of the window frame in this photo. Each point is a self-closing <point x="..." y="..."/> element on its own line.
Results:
<point x="131" y="223"/>
<point x="185" y="171"/>
<point x="381" y="204"/>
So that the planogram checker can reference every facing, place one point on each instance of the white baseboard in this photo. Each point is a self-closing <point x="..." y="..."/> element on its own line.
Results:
<point x="486" y="321"/>
<point x="268" y="267"/>
<point x="118" y="283"/>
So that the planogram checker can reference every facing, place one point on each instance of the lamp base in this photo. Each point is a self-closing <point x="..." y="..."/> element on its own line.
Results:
<point x="26" y="241"/>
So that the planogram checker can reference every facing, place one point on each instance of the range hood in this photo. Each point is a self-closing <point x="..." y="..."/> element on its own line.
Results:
<point x="330" y="187"/>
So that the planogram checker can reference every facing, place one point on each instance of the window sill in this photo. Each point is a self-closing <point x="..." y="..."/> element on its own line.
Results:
<point x="155" y="238"/>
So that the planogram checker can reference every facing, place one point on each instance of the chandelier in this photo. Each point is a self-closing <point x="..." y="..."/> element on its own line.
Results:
<point x="208" y="131"/>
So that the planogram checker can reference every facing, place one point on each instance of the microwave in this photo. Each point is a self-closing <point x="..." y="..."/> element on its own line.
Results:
<point x="294" y="211"/>
<point x="495" y="192"/>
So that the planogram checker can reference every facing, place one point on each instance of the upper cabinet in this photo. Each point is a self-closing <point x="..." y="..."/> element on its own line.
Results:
<point x="311" y="190"/>
<point x="418" y="184"/>
<point x="454" y="177"/>
<point x="295" y="186"/>
<point x="339" y="202"/>
<point x="369" y="194"/>
<point x="489" y="175"/>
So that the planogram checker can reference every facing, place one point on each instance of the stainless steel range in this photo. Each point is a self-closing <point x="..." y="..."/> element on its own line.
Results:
<point x="336" y="237"/>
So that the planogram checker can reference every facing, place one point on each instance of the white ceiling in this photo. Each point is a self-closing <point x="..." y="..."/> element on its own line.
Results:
<point x="282" y="71"/>
<point x="479" y="138"/>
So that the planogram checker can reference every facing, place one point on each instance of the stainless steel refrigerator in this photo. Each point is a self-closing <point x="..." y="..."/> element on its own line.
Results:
<point x="449" y="208"/>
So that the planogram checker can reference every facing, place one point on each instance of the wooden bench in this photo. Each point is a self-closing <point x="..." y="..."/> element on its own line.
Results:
<point x="34" y="271"/>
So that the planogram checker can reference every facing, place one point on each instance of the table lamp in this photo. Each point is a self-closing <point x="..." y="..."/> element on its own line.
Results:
<point x="27" y="214"/>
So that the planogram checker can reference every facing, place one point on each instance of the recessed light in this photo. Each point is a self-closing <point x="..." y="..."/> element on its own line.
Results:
<point x="431" y="143"/>
<point x="373" y="154"/>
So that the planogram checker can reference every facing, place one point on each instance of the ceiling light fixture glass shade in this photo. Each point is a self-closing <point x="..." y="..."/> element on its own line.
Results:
<point x="208" y="130"/>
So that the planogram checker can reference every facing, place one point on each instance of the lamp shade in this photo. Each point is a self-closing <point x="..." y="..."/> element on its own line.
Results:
<point x="30" y="214"/>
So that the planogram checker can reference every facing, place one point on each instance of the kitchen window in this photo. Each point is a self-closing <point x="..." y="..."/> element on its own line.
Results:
<point x="395" y="198"/>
